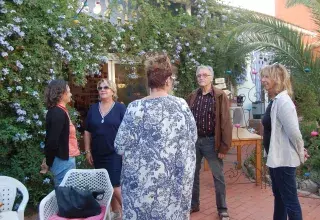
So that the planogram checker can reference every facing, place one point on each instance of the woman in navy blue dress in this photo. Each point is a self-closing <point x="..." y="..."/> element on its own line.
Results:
<point x="102" y="124"/>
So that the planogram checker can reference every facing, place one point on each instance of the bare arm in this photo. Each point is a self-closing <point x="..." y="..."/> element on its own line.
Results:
<point x="87" y="147"/>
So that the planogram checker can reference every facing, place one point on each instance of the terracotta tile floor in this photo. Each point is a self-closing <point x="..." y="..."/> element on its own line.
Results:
<point x="245" y="200"/>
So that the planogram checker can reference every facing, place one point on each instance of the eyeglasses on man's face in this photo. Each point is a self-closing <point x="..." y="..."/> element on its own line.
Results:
<point x="203" y="76"/>
<point x="103" y="87"/>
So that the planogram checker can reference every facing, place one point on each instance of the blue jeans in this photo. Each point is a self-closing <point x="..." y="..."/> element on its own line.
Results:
<point x="205" y="148"/>
<point x="60" y="167"/>
<point x="284" y="187"/>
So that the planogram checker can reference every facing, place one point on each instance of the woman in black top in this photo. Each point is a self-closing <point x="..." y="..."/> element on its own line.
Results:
<point x="266" y="122"/>
<point x="58" y="127"/>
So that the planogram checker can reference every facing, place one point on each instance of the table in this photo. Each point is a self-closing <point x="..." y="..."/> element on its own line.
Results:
<point x="242" y="137"/>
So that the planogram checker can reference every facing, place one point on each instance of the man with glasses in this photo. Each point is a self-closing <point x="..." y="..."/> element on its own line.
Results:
<point x="210" y="108"/>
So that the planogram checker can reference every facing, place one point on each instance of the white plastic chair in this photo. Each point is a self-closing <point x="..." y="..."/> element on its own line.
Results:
<point x="95" y="179"/>
<point x="8" y="191"/>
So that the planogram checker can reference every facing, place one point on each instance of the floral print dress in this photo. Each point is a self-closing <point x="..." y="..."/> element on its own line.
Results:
<point x="157" y="140"/>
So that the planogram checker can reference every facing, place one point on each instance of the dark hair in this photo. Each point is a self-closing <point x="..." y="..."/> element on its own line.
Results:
<point x="54" y="92"/>
<point x="158" y="69"/>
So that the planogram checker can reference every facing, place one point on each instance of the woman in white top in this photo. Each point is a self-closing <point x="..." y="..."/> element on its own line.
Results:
<point x="286" y="148"/>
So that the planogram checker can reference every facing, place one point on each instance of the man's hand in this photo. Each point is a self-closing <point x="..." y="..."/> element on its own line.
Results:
<point x="221" y="156"/>
<point x="89" y="158"/>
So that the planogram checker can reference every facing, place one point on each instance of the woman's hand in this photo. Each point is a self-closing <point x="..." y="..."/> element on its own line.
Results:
<point x="44" y="167"/>
<point x="306" y="155"/>
<point x="89" y="158"/>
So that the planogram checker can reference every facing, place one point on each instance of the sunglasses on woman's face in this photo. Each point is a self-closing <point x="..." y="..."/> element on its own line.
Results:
<point x="103" y="87"/>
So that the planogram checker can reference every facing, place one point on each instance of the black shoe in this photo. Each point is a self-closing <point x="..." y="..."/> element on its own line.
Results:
<point x="194" y="209"/>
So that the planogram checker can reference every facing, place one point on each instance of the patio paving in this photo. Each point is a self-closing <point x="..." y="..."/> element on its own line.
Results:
<point x="245" y="200"/>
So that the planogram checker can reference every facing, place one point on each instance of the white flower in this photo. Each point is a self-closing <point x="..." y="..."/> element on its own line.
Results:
<point x="3" y="11"/>
<point x="133" y="76"/>
<point x="51" y="71"/>
<point x="130" y="27"/>
<point x="70" y="7"/>
<point x="51" y="31"/>
<point x="46" y="181"/>
<point x="15" y="105"/>
<point x="19" y="88"/>
<point x="167" y="35"/>
<point x="35" y="94"/>
<point x="19" y="65"/>
<point x="28" y="121"/>
<point x="18" y="2"/>
<point x="224" y="17"/>
<point x="2" y="3"/>
<point x="204" y="49"/>
<point x="21" y="112"/>
<point x="17" y="19"/>
<point x="141" y="53"/>
<point x="20" y="119"/>
<point x="123" y="46"/>
<point x="21" y="34"/>
<point x="13" y="11"/>
<point x="103" y="59"/>
<point x="28" y="78"/>
<point x="49" y="11"/>
<point x="4" y="54"/>
<point x="36" y="116"/>
<point x="198" y="42"/>
<point x="9" y="89"/>
<point x="26" y="178"/>
<point x="61" y="17"/>
<point x="187" y="44"/>
<point x="209" y="34"/>
<point x="10" y="48"/>
<point x="132" y="38"/>
<point x="39" y="123"/>
<point x="158" y="32"/>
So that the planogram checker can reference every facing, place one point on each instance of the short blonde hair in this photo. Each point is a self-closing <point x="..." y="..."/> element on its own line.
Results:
<point x="280" y="76"/>
<point x="111" y="85"/>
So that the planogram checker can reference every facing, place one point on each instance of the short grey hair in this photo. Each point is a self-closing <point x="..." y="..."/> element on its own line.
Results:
<point x="205" y="67"/>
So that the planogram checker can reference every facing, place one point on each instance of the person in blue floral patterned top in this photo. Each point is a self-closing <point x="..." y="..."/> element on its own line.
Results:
<point x="157" y="140"/>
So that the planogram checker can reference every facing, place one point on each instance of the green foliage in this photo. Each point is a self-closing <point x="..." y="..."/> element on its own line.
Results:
<point x="41" y="40"/>
<point x="260" y="32"/>
<point x="188" y="40"/>
<point x="307" y="101"/>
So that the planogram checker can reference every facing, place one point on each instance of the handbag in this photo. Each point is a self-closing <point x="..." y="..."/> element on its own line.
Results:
<point x="77" y="203"/>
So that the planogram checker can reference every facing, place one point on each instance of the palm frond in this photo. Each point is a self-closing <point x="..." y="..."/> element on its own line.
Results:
<point x="258" y="32"/>
<point x="308" y="3"/>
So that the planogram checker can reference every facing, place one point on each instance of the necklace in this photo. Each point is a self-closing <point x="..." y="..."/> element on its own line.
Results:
<point x="102" y="116"/>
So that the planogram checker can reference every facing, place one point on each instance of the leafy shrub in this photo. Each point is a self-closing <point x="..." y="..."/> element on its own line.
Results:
<point x="40" y="41"/>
